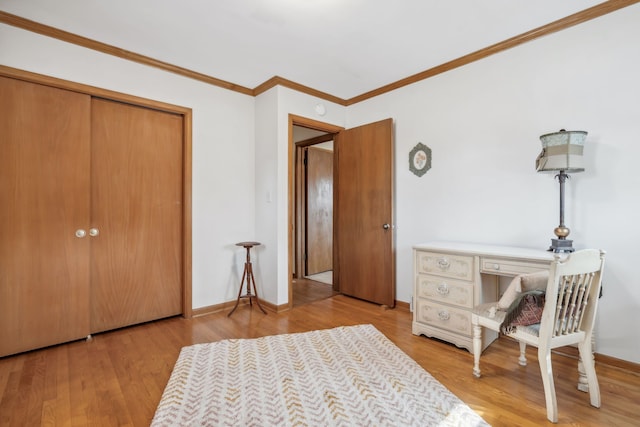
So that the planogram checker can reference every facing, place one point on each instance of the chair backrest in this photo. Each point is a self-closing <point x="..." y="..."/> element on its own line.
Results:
<point x="576" y="280"/>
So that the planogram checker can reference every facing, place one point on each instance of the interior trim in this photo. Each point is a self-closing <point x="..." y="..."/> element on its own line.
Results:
<point x="295" y="120"/>
<point x="275" y="81"/>
<point x="68" y="37"/>
<point x="561" y="24"/>
<point x="626" y="365"/>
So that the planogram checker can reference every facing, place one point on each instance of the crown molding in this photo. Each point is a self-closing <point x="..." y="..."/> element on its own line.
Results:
<point x="68" y="37"/>
<point x="280" y="81"/>
<point x="559" y="25"/>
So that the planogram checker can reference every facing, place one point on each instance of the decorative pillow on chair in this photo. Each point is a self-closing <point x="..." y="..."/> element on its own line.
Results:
<point x="535" y="281"/>
<point x="523" y="283"/>
<point x="525" y="311"/>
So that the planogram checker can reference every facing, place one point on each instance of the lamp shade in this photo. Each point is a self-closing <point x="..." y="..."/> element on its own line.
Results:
<point x="562" y="151"/>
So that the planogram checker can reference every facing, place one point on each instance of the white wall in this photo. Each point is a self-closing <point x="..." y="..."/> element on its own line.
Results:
<point x="483" y="122"/>
<point x="223" y="147"/>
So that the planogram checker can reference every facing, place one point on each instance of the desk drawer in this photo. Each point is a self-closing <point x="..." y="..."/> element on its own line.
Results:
<point x="447" y="265"/>
<point x="510" y="268"/>
<point x="445" y="290"/>
<point x="444" y="317"/>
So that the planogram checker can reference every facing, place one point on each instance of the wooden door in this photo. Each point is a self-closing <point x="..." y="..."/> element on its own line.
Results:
<point x="319" y="210"/>
<point x="44" y="199"/>
<point x="136" y="205"/>
<point x="363" y="221"/>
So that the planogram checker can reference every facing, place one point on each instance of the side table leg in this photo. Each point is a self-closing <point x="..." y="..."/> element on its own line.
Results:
<point x="255" y="290"/>
<point x="244" y="274"/>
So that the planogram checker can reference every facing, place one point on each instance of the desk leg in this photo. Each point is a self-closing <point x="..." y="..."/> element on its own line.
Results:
<point x="583" y="384"/>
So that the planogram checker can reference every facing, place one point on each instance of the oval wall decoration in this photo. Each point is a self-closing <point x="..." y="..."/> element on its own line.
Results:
<point x="420" y="159"/>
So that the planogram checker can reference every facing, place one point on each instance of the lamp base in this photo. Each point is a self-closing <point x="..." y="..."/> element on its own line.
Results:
<point x="561" y="245"/>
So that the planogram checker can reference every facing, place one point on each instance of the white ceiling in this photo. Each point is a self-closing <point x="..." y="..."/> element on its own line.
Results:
<point x="341" y="47"/>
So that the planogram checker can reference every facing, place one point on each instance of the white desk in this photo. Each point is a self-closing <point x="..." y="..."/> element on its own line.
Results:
<point x="451" y="278"/>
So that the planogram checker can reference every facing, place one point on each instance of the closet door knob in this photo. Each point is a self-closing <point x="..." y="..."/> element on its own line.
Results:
<point x="93" y="232"/>
<point x="80" y="233"/>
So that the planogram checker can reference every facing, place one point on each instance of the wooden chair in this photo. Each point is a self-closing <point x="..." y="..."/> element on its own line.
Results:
<point x="566" y="318"/>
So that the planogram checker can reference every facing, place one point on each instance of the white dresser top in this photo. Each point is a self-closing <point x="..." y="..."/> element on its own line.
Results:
<point x="482" y="249"/>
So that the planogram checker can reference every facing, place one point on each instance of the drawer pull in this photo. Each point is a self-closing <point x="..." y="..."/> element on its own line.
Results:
<point x="443" y="263"/>
<point x="443" y="289"/>
<point x="496" y="266"/>
<point x="443" y="315"/>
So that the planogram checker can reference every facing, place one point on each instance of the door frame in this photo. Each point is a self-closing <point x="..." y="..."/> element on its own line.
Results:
<point x="295" y="120"/>
<point x="187" y="306"/>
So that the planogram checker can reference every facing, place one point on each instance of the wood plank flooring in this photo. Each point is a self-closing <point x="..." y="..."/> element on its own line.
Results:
<point x="306" y="291"/>
<point x="117" y="378"/>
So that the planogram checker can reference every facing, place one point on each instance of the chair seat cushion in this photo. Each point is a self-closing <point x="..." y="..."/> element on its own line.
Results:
<point x="491" y="311"/>
<point x="530" y="329"/>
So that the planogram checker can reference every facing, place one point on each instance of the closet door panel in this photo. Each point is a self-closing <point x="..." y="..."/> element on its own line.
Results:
<point x="44" y="199"/>
<point x="136" y="207"/>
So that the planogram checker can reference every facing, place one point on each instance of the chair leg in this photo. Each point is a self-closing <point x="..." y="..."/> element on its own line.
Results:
<point x="544" y="359"/>
<point x="589" y="369"/>
<point x="522" y="360"/>
<point x="477" y="349"/>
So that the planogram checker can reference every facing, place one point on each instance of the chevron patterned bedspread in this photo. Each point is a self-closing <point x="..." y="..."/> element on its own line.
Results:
<point x="346" y="376"/>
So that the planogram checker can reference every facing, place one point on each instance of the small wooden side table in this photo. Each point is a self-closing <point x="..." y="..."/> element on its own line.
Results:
<point x="248" y="274"/>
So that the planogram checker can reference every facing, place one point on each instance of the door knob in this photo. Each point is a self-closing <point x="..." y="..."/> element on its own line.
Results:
<point x="386" y="226"/>
<point x="93" y="232"/>
<point x="80" y="233"/>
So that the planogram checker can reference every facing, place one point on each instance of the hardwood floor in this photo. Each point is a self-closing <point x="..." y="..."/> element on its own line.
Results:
<point x="306" y="291"/>
<point x="118" y="377"/>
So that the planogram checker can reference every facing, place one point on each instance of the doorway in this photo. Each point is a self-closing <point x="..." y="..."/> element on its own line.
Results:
<point x="313" y="267"/>
<point x="362" y="210"/>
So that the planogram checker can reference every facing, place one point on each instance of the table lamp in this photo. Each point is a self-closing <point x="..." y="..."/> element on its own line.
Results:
<point x="561" y="153"/>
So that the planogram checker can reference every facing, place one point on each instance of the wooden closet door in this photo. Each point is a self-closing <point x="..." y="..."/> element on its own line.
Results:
<point x="44" y="199"/>
<point x="136" y="207"/>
